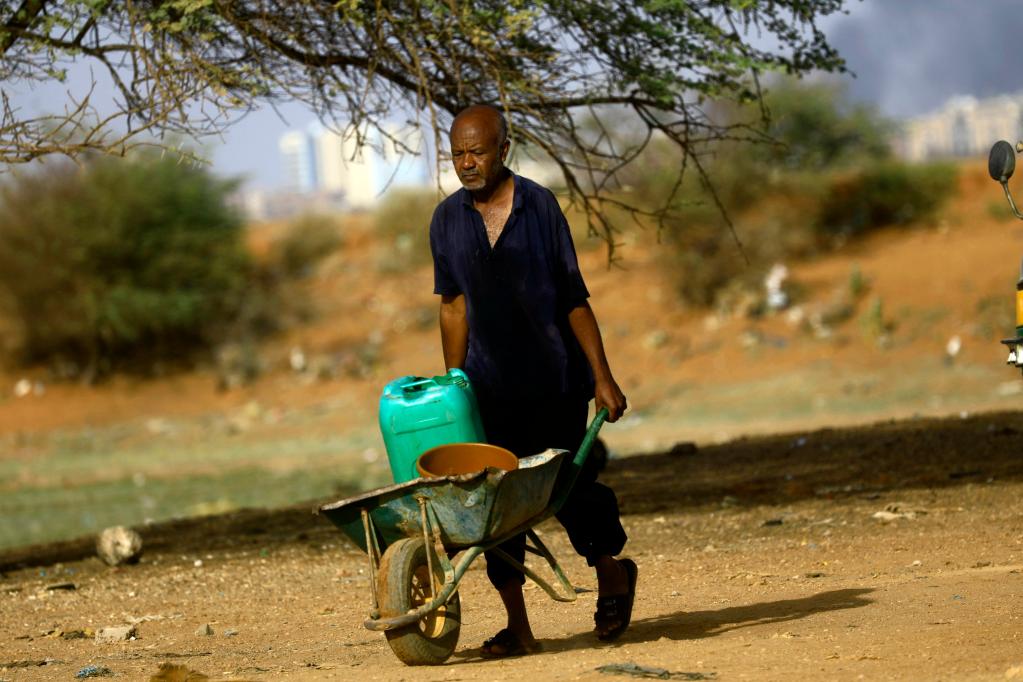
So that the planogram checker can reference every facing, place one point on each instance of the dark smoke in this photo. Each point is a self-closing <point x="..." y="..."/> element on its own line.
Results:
<point x="911" y="56"/>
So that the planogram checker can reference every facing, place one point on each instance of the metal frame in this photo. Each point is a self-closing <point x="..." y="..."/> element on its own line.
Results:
<point x="453" y="573"/>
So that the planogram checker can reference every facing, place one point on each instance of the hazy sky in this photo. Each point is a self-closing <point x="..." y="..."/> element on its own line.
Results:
<point x="909" y="56"/>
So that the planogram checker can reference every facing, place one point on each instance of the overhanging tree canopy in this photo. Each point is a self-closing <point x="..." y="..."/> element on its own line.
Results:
<point x="567" y="73"/>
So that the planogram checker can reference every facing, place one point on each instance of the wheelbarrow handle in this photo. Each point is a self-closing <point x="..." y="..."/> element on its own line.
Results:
<point x="576" y="466"/>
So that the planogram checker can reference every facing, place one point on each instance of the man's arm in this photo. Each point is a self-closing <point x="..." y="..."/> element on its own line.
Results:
<point x="606" y="391"/>
<point x="454" y="331"/>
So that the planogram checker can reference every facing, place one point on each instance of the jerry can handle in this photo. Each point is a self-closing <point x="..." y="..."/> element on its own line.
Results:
<point x="418" y="384"/>
<point x="454" y="376"/>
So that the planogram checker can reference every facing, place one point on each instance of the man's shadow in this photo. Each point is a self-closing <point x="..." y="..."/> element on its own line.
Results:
<point x="699" y="624"/>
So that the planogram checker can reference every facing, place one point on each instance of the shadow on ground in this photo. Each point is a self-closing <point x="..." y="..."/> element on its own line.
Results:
<point x="700" y="624"/>
<point x="830" y="463"/>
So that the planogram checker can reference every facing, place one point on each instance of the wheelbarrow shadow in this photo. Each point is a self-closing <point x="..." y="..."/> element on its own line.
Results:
<point x="686" y="625"/>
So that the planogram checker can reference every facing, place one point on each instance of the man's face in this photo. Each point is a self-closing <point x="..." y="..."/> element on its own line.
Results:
<point x="477" y="152"/>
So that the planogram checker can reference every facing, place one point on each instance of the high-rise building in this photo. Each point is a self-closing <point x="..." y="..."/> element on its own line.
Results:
<point x="963" y="126"/>
<point x="335" y="166"/>
<point x="345" y="168"/>
<point x="298" y="161"/>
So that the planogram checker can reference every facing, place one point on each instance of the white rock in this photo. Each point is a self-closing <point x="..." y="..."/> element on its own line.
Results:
<point x="119" y="545"/>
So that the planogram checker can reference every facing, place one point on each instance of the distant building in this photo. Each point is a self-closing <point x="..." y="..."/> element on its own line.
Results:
<point x="339" y="170"/>
<point x="345" y="170"/>
<point x="298" y="161"/>
<point x="327" y="170"/>
<point x="964" y="126"/>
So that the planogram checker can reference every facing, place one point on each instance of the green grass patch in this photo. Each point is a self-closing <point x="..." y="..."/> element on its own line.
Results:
<point x="44" y="514"/>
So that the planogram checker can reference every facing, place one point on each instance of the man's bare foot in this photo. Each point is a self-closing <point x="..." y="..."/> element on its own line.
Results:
<point x="507" y="643"/>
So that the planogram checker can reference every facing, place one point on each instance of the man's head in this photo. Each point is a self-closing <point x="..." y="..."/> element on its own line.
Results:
<point x="479" y="145"/>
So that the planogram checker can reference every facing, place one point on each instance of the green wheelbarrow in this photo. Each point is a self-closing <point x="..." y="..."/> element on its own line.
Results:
<point x="412" y="531"/>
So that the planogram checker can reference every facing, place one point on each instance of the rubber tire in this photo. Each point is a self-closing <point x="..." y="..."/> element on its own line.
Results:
<point x="432" y="640"/>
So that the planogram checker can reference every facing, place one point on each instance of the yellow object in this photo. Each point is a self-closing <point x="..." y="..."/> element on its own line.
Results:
<point x="1019" y="308"/>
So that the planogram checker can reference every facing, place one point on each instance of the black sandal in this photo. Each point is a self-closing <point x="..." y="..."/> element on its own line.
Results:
<point x="617" y="608"/>
<point x="511" y="645"/>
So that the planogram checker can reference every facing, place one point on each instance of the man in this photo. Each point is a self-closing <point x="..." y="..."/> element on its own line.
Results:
<point x="514" y="316"/>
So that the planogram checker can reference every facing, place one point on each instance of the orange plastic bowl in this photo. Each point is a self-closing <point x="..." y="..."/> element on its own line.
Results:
<point x="464" y="458"/>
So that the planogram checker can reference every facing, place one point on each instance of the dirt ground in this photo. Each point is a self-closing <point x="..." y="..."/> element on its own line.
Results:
<point x="759" y="559"/>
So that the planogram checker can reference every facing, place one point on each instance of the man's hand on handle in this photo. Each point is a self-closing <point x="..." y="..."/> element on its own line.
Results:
<point x="607" y="394"/>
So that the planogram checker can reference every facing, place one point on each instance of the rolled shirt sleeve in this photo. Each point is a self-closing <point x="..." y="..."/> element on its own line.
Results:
<point x="572" y="288"/>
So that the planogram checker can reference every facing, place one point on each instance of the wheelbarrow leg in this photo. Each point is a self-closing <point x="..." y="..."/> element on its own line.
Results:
<point x="373" y="551"/>
<point x="541" y="550"/>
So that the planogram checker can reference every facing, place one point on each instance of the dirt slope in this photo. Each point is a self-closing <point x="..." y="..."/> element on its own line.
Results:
<point x="690" y="375"/>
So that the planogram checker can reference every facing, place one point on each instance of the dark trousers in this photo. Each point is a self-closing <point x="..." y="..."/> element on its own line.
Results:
<point x="590" y="515"/>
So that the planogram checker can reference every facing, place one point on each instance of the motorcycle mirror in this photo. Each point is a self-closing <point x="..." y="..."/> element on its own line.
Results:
<point x="1001" y="162"/>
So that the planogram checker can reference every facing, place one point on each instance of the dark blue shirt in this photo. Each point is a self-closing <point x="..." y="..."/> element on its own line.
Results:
<point x="517" y="295"/>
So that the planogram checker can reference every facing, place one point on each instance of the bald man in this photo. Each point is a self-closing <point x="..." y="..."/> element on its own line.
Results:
<point x="514" y="315"/>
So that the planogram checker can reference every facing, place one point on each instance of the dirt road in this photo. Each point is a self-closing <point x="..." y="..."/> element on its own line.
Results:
<point x="759" y="559"/>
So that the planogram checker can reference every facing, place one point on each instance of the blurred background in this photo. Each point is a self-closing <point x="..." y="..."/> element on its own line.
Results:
<point x="181" y="339"/>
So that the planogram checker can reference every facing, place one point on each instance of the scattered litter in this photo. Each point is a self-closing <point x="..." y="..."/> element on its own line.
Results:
<point x="634" y="670"/>
<point x="119" y="633"/>
<point x="93" y="671"/>
<point x="29" y="664"/>
<point x="135" y="620"/>
<point x="22" y="388"/>
<point x="68" y="587"/>
<point x="777" y="298"/>
<point x="892" y="512"/>
<point x="26" y="387"/>
<point x="81" y="633"/>
<point x="952" y="348"/>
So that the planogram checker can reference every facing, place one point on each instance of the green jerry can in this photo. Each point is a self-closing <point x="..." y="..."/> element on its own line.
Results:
<point x="418" y="413"/>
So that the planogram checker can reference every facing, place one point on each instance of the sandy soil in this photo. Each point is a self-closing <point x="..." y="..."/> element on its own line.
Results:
<point x="759" y="559"/>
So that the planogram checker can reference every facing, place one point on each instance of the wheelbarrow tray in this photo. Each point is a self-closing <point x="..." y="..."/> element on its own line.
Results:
<point x="470" y="509"/>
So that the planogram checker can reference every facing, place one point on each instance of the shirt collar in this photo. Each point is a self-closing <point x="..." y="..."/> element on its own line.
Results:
<point x="466" y="195"/>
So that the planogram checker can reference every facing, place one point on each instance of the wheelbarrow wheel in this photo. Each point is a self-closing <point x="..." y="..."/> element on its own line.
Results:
<point x="405" y="585"/>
